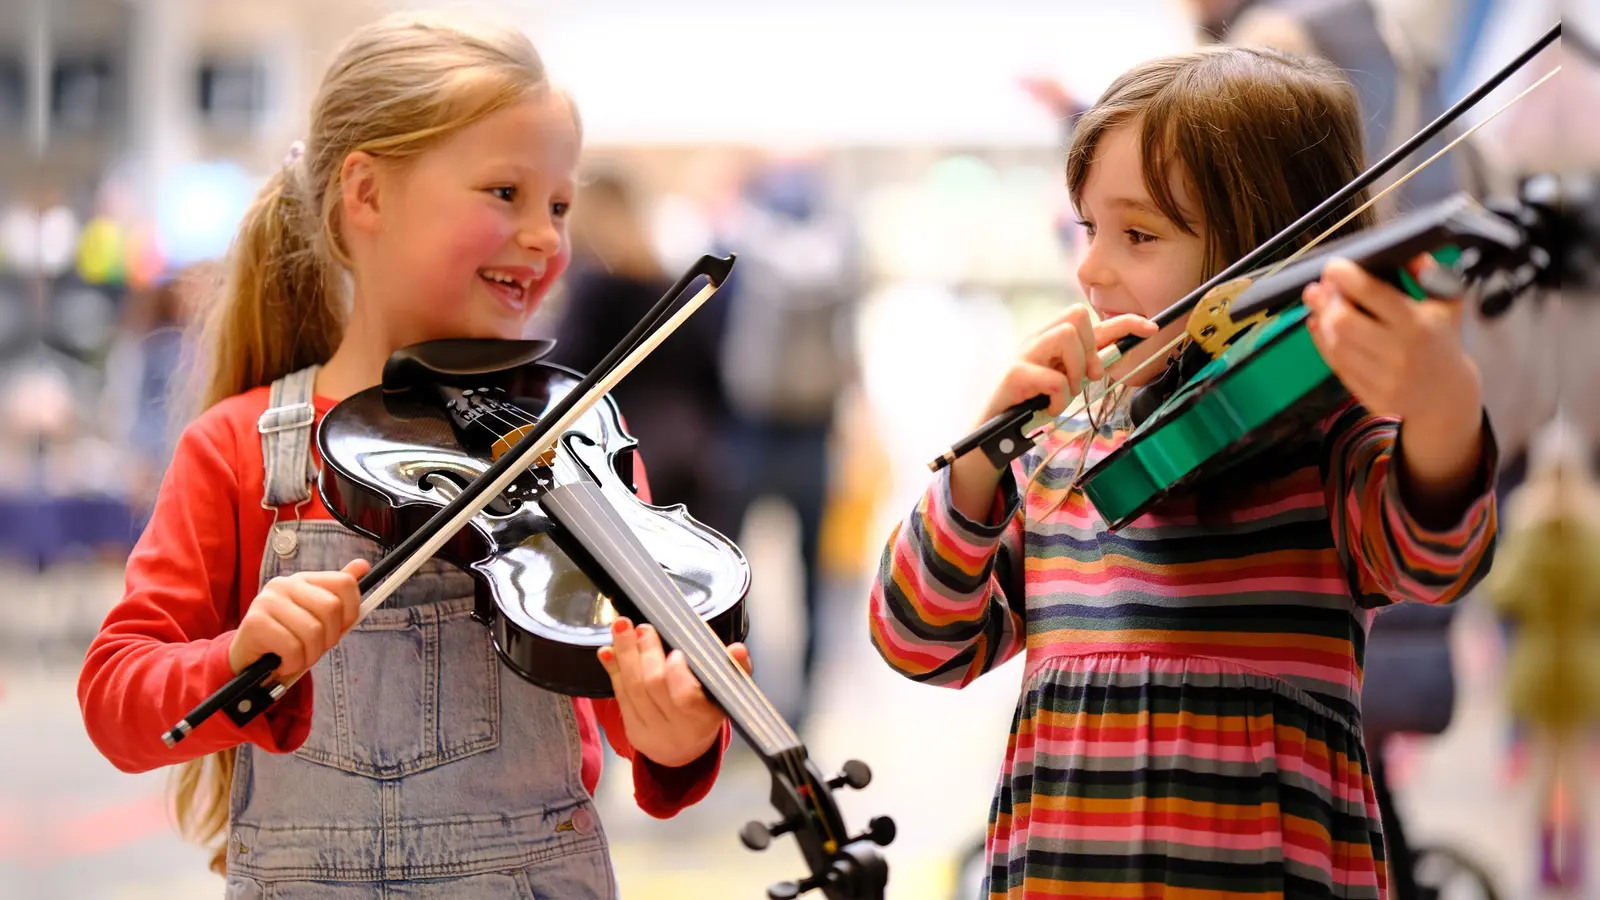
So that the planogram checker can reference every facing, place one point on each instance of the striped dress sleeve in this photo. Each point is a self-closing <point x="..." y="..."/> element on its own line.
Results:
<point x="948" y="599"/>
<point x="1387" y="555"/>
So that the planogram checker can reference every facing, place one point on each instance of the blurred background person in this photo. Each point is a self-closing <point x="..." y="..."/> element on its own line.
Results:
<point x="787" y="355"/>
<point x="673" y="401"/>
<point x="142" y="370"/>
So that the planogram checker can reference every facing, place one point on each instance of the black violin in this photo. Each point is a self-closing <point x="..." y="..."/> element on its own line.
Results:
<point x="395" y="453"/>
<point x="521" y="473"/>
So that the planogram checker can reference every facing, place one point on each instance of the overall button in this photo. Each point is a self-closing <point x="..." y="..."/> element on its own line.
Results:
<point x="583" y="821"/>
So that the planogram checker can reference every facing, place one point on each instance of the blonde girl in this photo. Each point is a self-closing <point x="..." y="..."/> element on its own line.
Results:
<point x="429" y="200"/>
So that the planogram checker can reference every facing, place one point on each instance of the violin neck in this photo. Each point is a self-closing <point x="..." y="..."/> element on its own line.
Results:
<point x="580" y="508"/>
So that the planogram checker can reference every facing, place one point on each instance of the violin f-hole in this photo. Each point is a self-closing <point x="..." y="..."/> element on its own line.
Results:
<point x="622" y="462"/>
<point x="449" y="485"/>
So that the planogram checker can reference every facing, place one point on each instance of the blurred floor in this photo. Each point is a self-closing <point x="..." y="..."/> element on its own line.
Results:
<point x="71" y="826"/>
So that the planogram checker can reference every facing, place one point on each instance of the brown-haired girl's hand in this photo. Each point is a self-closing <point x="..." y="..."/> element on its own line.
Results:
<point x="299" y="617"/>
<point x="1404" y="358"/>
<point x="1400" y="357"/>
<point x="665" y="711"/>
<point x="1058" y="359"/>
<point x="1055" y="362"/>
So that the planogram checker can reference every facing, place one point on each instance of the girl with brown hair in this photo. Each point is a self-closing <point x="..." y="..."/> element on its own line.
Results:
<point x="1189" y="722"/>
<point x="429" y="201"/>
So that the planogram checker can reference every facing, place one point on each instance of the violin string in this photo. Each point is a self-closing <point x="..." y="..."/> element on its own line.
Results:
<point x="783" y="745"/>
<point x="1072" y="411"/>
<point x="682" y="313"/>
<point x="791" y="759"/>
<point x="718" y="669"/>
<point x="438" y="535"/>
<point x="761" y="725"/>
<point x="510" y="420"/>
<point x="719" y="664"/>
<point x="753" y="713"/>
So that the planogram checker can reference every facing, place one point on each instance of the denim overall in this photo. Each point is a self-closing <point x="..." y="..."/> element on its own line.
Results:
<point x="430" y="772"/>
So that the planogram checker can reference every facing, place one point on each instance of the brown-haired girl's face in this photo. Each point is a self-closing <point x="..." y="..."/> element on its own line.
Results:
<point x="471" y="234"/>
<point x="1136" y="260"/>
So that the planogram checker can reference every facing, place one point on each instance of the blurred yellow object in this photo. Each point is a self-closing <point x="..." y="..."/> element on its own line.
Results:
<point x="858" y="477"/>
<point x="1546" y="579"/>
<point x="100" y="252"/>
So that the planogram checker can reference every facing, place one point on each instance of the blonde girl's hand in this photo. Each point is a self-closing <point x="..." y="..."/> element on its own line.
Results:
<point x="299" y="617"/>
<point x="665" y="711"/>
<point x="1060" y="358"/>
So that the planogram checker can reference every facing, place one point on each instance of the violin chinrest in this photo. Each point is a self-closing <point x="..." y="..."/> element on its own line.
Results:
<point x="467" y="357"/>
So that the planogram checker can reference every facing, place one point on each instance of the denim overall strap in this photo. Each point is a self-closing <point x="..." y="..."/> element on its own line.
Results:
<point x="430" y="771"/>
<point x="286" y="433"/>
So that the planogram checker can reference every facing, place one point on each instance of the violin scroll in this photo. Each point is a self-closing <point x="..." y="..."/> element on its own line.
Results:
<point x="1561" y="213"/>
<point x="857" y="871"/>
<point x="847" y="869"/>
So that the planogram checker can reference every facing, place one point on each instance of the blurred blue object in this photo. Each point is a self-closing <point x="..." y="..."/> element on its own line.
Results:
<point x="41" y="531"/>
<point x="1474" y="16"/>
<point x="792" y="188"/>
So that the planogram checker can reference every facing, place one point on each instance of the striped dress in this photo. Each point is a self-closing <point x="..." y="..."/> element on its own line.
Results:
<point x="1189" y="724"/>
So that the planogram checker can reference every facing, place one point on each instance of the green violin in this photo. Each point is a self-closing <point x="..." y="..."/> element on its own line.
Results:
<point x="1266" y="379"/>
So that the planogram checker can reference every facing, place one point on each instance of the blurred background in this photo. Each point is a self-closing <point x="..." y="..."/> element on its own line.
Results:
<point x="891" y="174"/>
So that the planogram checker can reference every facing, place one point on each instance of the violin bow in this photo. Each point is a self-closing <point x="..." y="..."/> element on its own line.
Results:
<point x="1006" y="436"/>
<point x="251" y="692"/>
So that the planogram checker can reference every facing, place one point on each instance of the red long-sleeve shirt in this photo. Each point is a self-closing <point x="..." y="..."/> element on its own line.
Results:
<point x="164" y="648"/>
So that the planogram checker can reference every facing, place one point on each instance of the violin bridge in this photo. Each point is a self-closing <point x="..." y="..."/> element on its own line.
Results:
<point x="1211" y="325"/>
<point x="505" y="442"/>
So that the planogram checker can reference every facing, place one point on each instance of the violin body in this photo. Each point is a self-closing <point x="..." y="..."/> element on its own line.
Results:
<point x="393" y="455"/>
<point x="1270" y="382"/>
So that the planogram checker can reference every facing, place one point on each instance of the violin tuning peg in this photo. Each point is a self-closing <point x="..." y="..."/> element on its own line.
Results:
<point x="881" y="830"/>
<point x="788" y="890"/>
<point x="758" y="836"/>
<point x="854" y="773"/>
<point x="755" y="836"/>
<point x="1494" y="304"/>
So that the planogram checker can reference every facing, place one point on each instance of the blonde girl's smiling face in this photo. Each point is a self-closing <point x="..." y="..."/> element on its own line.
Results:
<point x="465" y="239"/>
<point x="1134" y="259"/>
